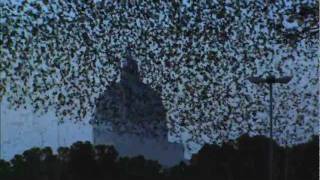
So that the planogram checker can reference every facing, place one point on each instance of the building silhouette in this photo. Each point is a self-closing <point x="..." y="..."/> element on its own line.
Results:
<point x="130" y="115"/>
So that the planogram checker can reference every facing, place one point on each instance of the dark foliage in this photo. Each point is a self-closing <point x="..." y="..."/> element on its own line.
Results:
<point x="246" y="159"/>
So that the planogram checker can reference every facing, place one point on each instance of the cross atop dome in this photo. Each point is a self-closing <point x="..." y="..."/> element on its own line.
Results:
<point x="129" y="69"/>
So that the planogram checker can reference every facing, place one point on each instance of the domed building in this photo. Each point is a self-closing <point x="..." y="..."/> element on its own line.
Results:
<point x="130" y="115"/>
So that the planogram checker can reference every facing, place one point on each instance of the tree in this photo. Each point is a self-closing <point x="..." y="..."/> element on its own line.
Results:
<point x="234" y="161"/>
<point x="18" y="167"/>
<point x="139" y="167"/>
<point x="309" y="162"/>
<point x="106" y="161"/>
<point x="62" y="55"/>
<point x="82" y="164"/>
<point x="5" y="169"/>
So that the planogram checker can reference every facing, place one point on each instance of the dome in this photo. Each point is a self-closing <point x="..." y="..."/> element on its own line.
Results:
<point x="131" y="106"/>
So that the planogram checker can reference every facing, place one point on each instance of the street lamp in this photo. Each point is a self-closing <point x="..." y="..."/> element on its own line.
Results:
<point x="270" y="80"/>
<point x="1" y="145"/>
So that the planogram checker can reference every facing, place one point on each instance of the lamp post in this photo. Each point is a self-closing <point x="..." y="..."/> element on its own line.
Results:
<point x="270" y="80"/>
<point x="1" y="145"/>
<point x="0" y="129"/>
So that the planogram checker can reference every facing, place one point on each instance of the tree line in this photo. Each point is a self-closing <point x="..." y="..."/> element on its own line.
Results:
<point x="244" y="159"/>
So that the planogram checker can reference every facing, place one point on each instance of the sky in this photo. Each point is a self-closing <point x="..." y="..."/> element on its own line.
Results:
<point x="18" y="131"/>
<point x="22" y="129"/>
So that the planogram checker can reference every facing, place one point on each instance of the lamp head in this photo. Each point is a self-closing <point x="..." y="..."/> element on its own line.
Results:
<point x="270" y="79"/>
<point x="256" y="80"/>
<point x="284" y="79"/>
